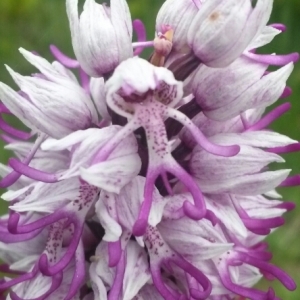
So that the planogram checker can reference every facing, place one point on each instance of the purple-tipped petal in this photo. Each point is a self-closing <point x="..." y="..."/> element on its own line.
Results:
<point x="139" y="28"/>
<point x="32" y="173"/>
<point x="79" y="273"/>
<point x="166" y="293"/>
<point x="197" y="275"/>
<point x="67" y="257"/>
<point x="85" y="80"/>
<point x="5" y="268"/>
<point x="166" y="182"/>
<point x="279" y="26"/>
<point x="246" y="292"/>
<point x="270" y="117"/>
<point x="142" y="221"/>
<point x="192" y="211"/>
<point x="275" y="60"/>
<point x="200" y="138"/>
<point x="286" y="149"/>
<point x="263" y="223"/>
<point x="111" y="145"/>
<point x="22" y="135"/>
<point x="283" y="277"/>
<point x="287" y="205"/>
<point x="56" y="282"/>
<point x="199" y="210"/>
<point x="261" y="255"/>
<point x="286" y="92"/>
<point x="7" y="237"/>
<point x="27" y="276"/>
<point x="63" y="59"/>
<point x="211" y="217"/>
<point x="4" y="109"/>
<point x="12" y="177"/>
<point x="139" y="227"/>
<point x="291" y="181"/>
<point x="114" y="253"/>
<point x="116" y="288"/>
<point x="14" y="227"/>
<point x="7" y="139"/>
<point x="9" y="179"/>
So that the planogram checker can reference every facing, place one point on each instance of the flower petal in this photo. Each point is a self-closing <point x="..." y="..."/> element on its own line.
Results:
<point x="113" y="174"/>
<point x="195" y="240"/>
<point x="137" y="272"/>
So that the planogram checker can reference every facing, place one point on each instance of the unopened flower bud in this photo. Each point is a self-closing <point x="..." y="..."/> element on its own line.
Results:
<point x="101" y="36"/>
<point x="222" y="30"/>
<point x="177" y="14"/>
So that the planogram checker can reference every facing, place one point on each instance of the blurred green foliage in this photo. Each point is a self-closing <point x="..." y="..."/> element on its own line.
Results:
<point x="35" y="24"/>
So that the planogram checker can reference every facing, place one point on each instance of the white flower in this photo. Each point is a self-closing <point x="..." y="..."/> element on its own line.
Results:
<point x="51" y="102"/>
<point x="101" y="36"/>
<point x="223" y="29"/>
<point x="177" y="14"/>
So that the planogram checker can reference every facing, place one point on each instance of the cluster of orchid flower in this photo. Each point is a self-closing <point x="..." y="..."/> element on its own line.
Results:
<point x="147" y="179"/>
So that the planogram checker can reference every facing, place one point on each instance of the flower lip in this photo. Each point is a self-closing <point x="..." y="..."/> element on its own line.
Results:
<point x="162" y="256"/>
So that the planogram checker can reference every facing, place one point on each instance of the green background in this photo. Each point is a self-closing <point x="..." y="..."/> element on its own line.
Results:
<point x="35" y="24"/>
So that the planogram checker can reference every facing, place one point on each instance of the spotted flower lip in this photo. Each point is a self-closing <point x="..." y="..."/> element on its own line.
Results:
<point x="156" y="92"/>
<point x="148" y="179"/>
